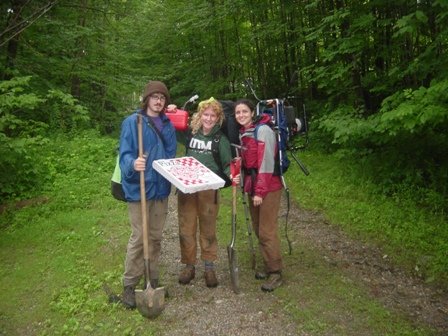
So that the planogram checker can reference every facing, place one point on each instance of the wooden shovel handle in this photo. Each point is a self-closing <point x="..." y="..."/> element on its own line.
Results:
<point x="142" y="190"/>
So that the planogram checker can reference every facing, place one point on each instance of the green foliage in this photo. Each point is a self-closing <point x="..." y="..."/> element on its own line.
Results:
<point x="409" y="23"/>
<point x="18" y="137"/>
<point x="13" y="96"/>
<point x="64" y="112"/>
<point x="75" y="164"/>
<point x="344" y="125"/>
<point x="14" y="100"/>
<point x="411" y="112"/>
<point x="76" y="298"/>
<point x="378" y="74"/>
<point x="375" y="73"/>
<point x="414" y="111"/>
<point x="402" y="146"/>
<point x="24" y="133"/>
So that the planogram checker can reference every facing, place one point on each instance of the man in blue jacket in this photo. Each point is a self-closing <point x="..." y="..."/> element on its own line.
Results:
<point x="159" y="142"/>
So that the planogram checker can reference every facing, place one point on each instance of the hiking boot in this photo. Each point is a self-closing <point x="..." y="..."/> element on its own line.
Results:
<point x="274" y="281"/>
<point x="261" y="275"/>
<point x="186" y="275"/>
<point x="129" y="297"/>
<point x="210" y="278"/>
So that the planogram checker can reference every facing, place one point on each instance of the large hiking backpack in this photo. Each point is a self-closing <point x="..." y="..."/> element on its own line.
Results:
<point x="116" y="188"/>
<point x="288" y="125"/>
<point x="274" y="109"/>
<point x="230" y="127"/>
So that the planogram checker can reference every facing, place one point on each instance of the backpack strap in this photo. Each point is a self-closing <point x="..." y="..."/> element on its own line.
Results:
<point x="151" y="124"/>
<point x="257" y="127"/>
<point x="256" y="131"/>
<point x="277" y="171"/>
<point x="215" y="152"/>
<point x="189" y="137"/>
<point x="215" y="148"/>
<point x="253" y="171"/>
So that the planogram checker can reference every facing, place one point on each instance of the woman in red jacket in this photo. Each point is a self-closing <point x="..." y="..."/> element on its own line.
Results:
<point x="258" y="161"/>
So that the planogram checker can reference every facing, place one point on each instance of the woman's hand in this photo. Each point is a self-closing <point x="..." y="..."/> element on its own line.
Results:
<point x="236" y="179"/>
<point x="257" y="200"/>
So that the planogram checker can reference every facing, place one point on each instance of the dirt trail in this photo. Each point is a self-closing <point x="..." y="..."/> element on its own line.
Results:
<point x="395" y="289"/>
<point x="197" y="310"/>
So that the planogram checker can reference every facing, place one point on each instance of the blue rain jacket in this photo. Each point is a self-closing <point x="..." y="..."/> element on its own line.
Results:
<point x="157" y="187"/>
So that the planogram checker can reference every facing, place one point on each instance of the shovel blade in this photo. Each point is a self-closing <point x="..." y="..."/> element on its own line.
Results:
<point x="234" y="272"/>
<point x="150" y="302"/>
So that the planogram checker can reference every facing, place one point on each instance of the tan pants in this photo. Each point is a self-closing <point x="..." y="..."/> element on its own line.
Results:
<point x="200" y="208"/>
<point x="265" y="224"/>
<point x="134" y="267"/>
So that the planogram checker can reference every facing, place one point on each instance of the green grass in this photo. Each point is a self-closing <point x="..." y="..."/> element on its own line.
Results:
<point x="332" y="304"/>
<point x="415" y="238"/>
<point x="55" y="257"/>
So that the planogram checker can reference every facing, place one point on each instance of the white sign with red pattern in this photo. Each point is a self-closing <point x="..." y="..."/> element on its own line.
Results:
<point x="188" y="174"/>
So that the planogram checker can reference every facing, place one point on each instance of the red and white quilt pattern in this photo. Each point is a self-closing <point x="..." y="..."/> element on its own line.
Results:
<point x="188" y="174"/>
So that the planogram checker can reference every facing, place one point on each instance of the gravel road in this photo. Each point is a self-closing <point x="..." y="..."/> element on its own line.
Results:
<point x="195" y="309"/>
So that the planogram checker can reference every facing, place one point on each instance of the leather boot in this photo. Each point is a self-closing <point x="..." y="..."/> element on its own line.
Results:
<point x="129" y="297"/>
<point x="210" y="279"/>
<point x="274" y="281"/>
<point x="186" y="275"/>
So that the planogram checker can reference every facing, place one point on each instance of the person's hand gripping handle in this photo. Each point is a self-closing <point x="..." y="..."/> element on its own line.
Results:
<point x="235" y="167"/>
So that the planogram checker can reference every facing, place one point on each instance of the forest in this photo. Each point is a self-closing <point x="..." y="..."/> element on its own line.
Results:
<point x="368" y="224"/>
<point x="372" y="75"/>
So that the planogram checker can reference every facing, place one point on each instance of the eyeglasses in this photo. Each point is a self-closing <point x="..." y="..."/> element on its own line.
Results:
<point x="161" y="98"/>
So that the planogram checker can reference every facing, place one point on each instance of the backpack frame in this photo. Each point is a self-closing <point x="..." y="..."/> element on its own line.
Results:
<point x="289" y="126"/>
<point x="274" y="108"/>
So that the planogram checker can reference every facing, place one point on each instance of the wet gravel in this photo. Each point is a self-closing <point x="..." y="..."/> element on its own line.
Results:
<point x="195" y="309"/>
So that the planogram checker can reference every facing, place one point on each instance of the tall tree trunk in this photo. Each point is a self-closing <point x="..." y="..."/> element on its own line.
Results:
<point x="13" y="43"/>
<point x="76" y="79"/>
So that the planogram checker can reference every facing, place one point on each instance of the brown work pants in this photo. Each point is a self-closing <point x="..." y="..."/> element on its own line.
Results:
<point x="265" y="224"/>
<point x="134" y="267"/>
<point x="200" y="208"/>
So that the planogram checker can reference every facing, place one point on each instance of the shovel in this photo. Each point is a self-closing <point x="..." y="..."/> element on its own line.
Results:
<point x="150" y="302"/>
<point x="249" y="232"/>
<point x="233" y="262"/>
<point x="246" y="212"/>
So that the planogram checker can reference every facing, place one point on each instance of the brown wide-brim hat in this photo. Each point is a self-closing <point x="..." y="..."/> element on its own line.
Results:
<point x="156" y="87"/>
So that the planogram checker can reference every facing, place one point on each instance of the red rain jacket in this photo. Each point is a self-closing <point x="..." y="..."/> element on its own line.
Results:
<point x="258" y="158"/>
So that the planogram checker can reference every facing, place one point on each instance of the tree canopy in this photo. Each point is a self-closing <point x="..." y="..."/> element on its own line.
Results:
<point x="373" y="73"/>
